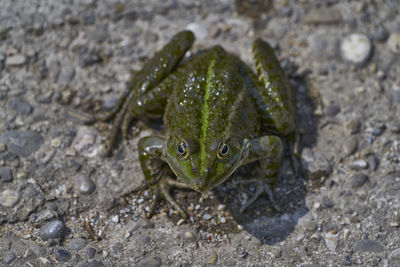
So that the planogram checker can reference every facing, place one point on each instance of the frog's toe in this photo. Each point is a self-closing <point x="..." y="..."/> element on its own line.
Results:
<point x="261" y="189"/>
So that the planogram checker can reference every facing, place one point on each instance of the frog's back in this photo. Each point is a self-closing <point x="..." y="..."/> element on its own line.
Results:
<point x="210" y="101"/>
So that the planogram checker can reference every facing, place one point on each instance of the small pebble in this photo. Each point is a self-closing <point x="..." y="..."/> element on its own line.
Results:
<point x="151" y="261"/>
<point x="2" y="147"/>
<point x="15" y="60"/>
<point x="373" y="162"/>
<point x="350" y="146"/>
<point x="379" y="33"/>
<point x="147" y="224"/>
<point x="315" y="165"/>
<point x="22" y="143"/>
<point x="368" y="246"/>
<point x="207" y="216"/>
<point x="346" y="234"/>
<point x="84" y="139"/>
<point x="347" y="260"/>
<point x="222" y="220"/>
<point x="77" y="244"/>
<point x="353" y="126"/>
<point x="56" y="142"/>
<point x="9" y="198"/>
<point x="84" y="185"/>
<point x="52" y="230"/>
<point x="94" y="263"/>
<point x="63" y="255"/>
<point x="190" y="235"/>
<point x="359" y="164"/>
<point x="394" y="42"/>
<point x="331" y="110"/>
<point x="115" y="218"/>
<point x="6" y="175"/>
<point x="240" y="227"/>
<point x="356" y="48"/>
<point x="331" y="241"/>
<point x="9" y="257"/>
<point x="66" y="75"/>
<point x="144" y="239"/>
<point x="90" y="252"/>
<point x="358" y="180"/>
<point x="213" y="258"/>
<point x="19" y="105"/>
<point x="394" y="127"/>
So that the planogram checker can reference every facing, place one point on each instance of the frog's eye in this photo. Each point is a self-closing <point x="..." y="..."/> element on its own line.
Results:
<point x="182" y="150"/>
<point x="223" y="151"/>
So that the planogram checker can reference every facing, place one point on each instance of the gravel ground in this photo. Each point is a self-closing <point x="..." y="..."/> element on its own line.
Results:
<point x="62" y="204"/>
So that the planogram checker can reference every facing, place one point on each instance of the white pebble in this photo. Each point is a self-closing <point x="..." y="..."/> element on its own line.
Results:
<point x="356" y="48"/>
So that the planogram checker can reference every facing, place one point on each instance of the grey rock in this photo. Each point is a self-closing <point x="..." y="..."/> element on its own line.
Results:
<point x="331" y="241"/>
<point x="144" y="239"/>
<point x="151" y="261"/>
<point x="67" y="74"/>
<point x="350" y="146"/>
<point x="90" y="59"/>
<point x="62" y="255"/>
<point x="21" y="143"/>
<point x="90" y="253"/>
<point x="359" y="180"/>
<point x="15" y="60"/>
<point x="9" y="198"/>
<point x="52" y="230"/>
<point x="332" y="110"/>
<point x="367" y="245"/>
<point x="84" y="139"/>
<point x="315" y="165"/>
<point x="379" y="33"/>
<point x="356" y="48"/>
<point x="394" y="127"/>
<point x="84" y="185"/>
<point x="147" y="224"/>
<point x="373" y="162"/>
<point x="20" y="106"/>
<point x="9" y="257"/>
<point x="109" y="103"/>
<point x="394" y="42"/>
<point x="353" y="126"/>
<point x="207" y="216"/>
<point x="77" y="244"/>
<point x="6" y="175"/>
<point x="359" y="164"/>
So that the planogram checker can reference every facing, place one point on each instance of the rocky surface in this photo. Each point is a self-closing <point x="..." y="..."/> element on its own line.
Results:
<point x="61" y="62"/>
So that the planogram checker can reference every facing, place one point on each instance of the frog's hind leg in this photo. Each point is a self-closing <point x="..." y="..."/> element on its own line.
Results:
<point x="268" y="150"/>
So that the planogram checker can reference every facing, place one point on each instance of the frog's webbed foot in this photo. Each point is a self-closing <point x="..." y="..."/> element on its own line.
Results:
<point x="164" y="190"/>
<point x="123" y="117"/>
<point x="262" y="188"/>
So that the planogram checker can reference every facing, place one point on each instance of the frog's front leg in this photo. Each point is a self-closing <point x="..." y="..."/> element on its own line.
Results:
<point x="268" y="150"/>
<point x="152" y="74"/>
<point x="155" y="170"/>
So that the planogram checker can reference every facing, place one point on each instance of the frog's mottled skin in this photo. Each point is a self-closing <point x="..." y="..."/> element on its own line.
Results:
<point x="218" y="115"/>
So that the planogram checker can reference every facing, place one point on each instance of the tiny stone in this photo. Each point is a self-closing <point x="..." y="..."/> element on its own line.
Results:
<point x="394" y="42"/>
<point x="90" y="252"/>
<point x="15" y="60"/>
<point x="150" y="261"/>
<point x="56" y="142"/>
<point x="109" y="103"/>
<point x="6" y="175"/>
<point x="21" y="143"/>
<point x="222" y="220"/>
<point x="207" y="216"/>
<point x="359" y="164"/>
<point x="332" y="110"/>
<point x="9" y="257"/>
<point x="324" y="15"/>
<point x="331" y="241"/>
<point x="115" y="219"/>
<point x="350" y="146"/>
<point x="20" y="106"/>
<point x="346" y="234"/>
<point x="347" y="260"/>
<point x="358" y="180"/>
<point x="85" y="138"/>
<point x="9" y="198"/>
<point x="190" y="235"/>
<point x="147" y="224"/>
<point x="77" y="244"/>
<point x="373" y="162"/>
<point x="84" y="185"/>
<point x="66" y="75"/>
<point x="240" y="227"/>
<point x="63" y="255"/>
<point x="315" y="165"/>
<point x="394" y="127"/>
<point x="52" y="230"/>
<point x="221" y="207"/>
<point x="380" y="34"/>
<point x="356" y="48"/>
<point x="144" y="239"/>
<point x="368" y="246"/>
<point x="353" y="126"/>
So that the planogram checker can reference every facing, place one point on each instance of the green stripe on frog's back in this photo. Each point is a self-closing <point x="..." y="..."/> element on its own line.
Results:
<point x="205" y="112"/>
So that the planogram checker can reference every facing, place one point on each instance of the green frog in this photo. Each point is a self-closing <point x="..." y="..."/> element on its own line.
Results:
<point x="217" y="115"/>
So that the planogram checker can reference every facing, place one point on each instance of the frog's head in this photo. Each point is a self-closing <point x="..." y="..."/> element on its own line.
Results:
<point x="201" y="166"/>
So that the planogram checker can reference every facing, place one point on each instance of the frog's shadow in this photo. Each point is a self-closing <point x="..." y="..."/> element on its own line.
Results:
<point x="260" y="220"/>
